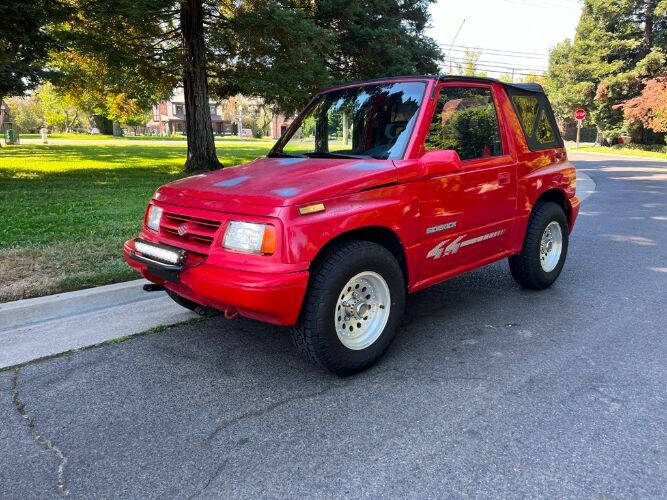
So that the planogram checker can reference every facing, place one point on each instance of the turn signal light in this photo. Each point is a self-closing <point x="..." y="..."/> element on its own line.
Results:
<point x="269" y="240"/>
<point x="311" y="209"/>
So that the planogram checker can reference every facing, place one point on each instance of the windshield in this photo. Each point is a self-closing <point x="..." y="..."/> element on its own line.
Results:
<point x="369" y="121"/>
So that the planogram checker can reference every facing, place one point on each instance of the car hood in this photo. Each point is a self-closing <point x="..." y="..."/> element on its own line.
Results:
<point x="284" y="181"/>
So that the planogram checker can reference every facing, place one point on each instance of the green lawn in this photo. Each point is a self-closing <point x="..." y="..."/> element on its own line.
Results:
<point x="102" y="137"/>
<point x="67" y="208"/>
<point x="620" y="151"/>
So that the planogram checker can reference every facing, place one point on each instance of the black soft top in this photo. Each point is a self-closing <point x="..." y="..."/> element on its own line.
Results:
<point x="521" y="87"/>
<point x="525" y="87"/>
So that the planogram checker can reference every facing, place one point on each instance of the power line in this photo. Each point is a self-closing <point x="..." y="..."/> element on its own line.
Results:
<point x="499" y="60"/>
<point x="499" y="51"/>
<point x="495" y="64"/>
<point x="498" y="68"/>
<point x="496" y="54"/>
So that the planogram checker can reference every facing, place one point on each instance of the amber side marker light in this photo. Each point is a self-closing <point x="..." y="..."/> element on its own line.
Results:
<point x="311" y="209"/>
<point x="269" y="240"/>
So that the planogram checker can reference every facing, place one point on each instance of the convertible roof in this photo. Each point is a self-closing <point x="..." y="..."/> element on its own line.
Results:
<point x="526" y="87"/>
<point x="523" y="87"/>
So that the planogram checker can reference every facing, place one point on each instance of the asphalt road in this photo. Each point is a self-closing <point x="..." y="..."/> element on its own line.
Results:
<point x="489" y="390"/>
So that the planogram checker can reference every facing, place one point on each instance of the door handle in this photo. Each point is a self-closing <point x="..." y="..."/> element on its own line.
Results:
<point x="503" y="178"/>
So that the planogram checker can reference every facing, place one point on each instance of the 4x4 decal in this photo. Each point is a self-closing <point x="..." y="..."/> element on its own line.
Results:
<point x="439" y="250"/>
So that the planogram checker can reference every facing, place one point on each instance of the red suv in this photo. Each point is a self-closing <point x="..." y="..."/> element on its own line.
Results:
<point x="376" y="190"/>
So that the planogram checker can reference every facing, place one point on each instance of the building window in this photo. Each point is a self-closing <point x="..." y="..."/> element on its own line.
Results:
<point x="179" y="109"/>
<point x="214" y="109"/>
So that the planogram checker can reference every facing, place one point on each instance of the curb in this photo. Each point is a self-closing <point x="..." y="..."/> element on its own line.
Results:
<point x="616" y="155"/>
<point x="585" y="185"/>
<point x="29" y="311"/>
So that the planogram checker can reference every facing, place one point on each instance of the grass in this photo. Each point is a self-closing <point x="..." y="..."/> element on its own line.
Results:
<point x="102" y="137"/>
<point x="620" y="151"/>
<point x="66" y="209"/>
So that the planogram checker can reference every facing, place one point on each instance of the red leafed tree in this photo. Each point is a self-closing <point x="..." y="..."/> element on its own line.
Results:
<point x="650" y="107"/>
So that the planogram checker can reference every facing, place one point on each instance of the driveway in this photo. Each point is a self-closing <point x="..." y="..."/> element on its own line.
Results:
<point x="488" y="390"/>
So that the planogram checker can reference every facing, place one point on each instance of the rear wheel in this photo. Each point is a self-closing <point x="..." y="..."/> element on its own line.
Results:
<point x="544" y="248"/>
<point x="354" y="304"/>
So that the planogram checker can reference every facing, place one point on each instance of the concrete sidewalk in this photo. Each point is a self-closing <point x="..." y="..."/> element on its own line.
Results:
<point x="36" y="328"/>
<point x="32" y="329"/>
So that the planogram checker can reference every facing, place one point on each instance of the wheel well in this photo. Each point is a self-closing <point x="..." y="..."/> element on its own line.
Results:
<point x="377" y="234"/>
<point x="556" y="196"/>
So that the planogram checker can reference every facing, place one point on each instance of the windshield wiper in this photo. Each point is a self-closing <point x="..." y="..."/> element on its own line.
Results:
<point x="326" y="154"/>
<point x="280" y="154"/>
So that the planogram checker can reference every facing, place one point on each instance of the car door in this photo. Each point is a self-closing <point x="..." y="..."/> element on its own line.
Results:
<point x="467" y="215"/>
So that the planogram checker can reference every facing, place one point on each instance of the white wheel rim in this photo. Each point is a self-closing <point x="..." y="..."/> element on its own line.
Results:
<point x="362" y="310"/>
<point x="551" y="246"/>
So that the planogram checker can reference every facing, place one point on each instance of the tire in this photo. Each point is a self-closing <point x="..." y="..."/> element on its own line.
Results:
<point x="536" y="268"/>
<point x="354" y="267"/>
<point x="208" y="312"/>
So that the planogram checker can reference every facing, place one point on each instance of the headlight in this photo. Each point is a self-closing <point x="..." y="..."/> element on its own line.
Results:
<point x="250" y="237"/>
<point x="153" y="217"/>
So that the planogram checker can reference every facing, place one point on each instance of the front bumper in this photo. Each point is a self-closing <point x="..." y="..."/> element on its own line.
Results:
<point x="269" y="297"/>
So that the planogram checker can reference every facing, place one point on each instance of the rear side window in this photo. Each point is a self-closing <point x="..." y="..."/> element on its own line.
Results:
<point x="537" y="120"/>
<point x="527" y="108"/>
<point x="466" y="121"/>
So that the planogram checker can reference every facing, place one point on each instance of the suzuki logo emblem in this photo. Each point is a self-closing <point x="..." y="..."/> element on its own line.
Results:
<point x="183" y="229"/>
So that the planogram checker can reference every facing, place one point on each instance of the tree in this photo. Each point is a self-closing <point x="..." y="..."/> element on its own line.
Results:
<point x="138" y="52"/>
<point x="279" y="50"/>
<point x="26" y="113"/>
<point x="469" y="65"/>
<point x="617" y="44"/>
<point x="25" y="43"/>
<point x="650" y="107"/>
<point x="284" y="51"/>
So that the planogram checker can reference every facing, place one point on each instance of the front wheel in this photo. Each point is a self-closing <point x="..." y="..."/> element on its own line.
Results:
<point x="544" y="248"/>
<point x="355" y="301"/>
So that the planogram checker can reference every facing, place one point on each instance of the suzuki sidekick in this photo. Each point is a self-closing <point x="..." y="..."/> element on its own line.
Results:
<point x="376" y="190"/>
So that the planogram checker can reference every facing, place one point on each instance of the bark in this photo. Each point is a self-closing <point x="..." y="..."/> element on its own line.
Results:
<point x="198" y="128"/>
<point x="2" y="119"/>
<point x="117" y="130"/>
<point x="648" y="25"/>
<point x="322" y="133"/>
<point x="346" y="129"/>
<point x="69" y="124"/>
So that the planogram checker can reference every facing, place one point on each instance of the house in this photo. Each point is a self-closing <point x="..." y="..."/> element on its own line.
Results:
<point x="279" y="124"/>
<point x="169" y="117"/>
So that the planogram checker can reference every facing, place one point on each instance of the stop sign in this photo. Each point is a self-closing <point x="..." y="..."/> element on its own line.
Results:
<point x="580" y="114"/>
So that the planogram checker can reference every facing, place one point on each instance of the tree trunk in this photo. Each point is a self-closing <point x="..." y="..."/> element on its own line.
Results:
<point x="198" y="128"/>
<point x="2" y="119"/>
<point x="346" y="129"/>
<point x="117" y="130"/>
<point x="648" y="25"/>
<point x="322" y="133"/>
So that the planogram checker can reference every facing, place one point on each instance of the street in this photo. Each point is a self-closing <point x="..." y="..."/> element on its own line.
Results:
<point x="488" y="391"/>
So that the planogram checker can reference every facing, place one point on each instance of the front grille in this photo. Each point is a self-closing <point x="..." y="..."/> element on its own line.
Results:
<point x="199" y="233"/>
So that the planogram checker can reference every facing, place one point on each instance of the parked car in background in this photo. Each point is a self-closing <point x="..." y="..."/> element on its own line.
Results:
<point x="376" y="190"/>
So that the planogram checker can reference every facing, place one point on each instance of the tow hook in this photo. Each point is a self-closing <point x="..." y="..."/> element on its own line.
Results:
<point x="231" y="313"/>
<point x="153" y="287"/>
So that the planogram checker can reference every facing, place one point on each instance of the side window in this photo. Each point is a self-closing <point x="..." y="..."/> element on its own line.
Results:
<point x="466" y="121"/>
<point x="545" y="132"/>
<point x="534" y="116"/>
<point x="527" y="108"/>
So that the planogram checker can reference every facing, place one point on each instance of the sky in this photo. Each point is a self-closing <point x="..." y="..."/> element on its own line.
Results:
<point x="510" y="34"/>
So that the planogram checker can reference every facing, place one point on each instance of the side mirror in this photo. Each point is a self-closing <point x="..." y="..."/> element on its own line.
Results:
<point x="440" y="162"/>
